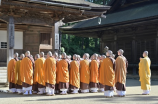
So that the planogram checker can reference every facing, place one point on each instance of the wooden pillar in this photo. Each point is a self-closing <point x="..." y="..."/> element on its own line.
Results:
<point x="53" y="38"/>
<point x="10" y="41"/>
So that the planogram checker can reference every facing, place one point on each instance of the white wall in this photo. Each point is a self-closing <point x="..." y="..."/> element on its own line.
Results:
<point x="18" y="38"/>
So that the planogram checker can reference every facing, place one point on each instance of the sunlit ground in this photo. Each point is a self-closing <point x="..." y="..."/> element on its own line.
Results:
<point x="133" y="97"/>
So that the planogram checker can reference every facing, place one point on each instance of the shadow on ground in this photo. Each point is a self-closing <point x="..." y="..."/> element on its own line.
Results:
<point x="99" y="98"/>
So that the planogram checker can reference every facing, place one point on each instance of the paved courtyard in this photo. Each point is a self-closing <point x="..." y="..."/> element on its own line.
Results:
<point x="133" y="97"/>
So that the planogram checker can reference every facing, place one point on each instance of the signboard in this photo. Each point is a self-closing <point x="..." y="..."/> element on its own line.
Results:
<point x="56" y="40"/>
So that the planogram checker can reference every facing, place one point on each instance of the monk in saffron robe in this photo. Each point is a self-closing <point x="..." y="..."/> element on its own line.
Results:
<point x="11" y="73"/>
<point x="78" y="59"/>
<point x="64" y="75"/>
<point x="17" y="75"/>
<point x="35" y="75"/>
<point x="39" y="78"/>
<point x="108" y="75"/>
<point x="26" y="73"/>
<point x="145" y="73"/>
<point x="101" y="74"/>
<point x="94" y="66"/>
<point x="57" y="73"/>
<point x="120" y="74"/>
<point x="84" y="74"/>
<point x="74" y="75"/>
<point x="50" y="74"/>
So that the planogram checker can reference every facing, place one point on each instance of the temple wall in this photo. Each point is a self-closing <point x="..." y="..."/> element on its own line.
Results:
<point x="18" y="38"/>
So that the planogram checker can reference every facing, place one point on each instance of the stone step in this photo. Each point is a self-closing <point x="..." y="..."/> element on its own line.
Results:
<point x="3" y="71"/>
<point x="3" y="68"/>
<point x="3" y="80"/>
<point x="3" y="77"/>
<point x="3" y="74"/>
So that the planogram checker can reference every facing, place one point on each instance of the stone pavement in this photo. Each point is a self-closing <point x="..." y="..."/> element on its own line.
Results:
<point x="133" y="97"/>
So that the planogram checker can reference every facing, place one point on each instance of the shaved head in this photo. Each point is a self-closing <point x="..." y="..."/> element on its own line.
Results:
<point x="145" y="53"/>
<point x="113" y="55"/>
<point x="42" y="54"/>
<point x="78" y="57"/>
<point x="27" y="53"/>
<point x="75" y="57"/>
<point x="109" y="53"/>
<point x="103" y="56"/>
<point x="120" y="52"/>
<point x="64" y="55"/>
<point x="95" y="56"/>
<point x="55" y="55"/>
<point x="49" y="54"/>
<point x="37" y="56"/>
<point x="16" y="55"/>
<point x="22" y="56"/>
<point x="86" y="56"/>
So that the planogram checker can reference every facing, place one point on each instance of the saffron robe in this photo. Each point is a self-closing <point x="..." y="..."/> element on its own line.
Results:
<point x="64" y="74"/>
<point x="94" y="74"/>
<point x="57" y="72"/>
<point x="145" y="73"/>
<point x="120" y="73"/>
<point x="17" y="75"/>
<point x="101" y="74"/>
<point x="11" y="73"/>
<point x="39" y="73"/>
<point x="74" y="75"/>
<point x="108" y="76"/>
<point x="50" y="72"/>
<point x="26" y="71"/>
<point x="84" y="74"/>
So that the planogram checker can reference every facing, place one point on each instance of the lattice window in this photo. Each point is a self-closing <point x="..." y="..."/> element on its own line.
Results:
<point x="45" y="38"/>
<point x="3" y="44"/>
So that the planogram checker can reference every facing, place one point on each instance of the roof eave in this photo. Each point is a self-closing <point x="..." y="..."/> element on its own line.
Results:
<point x="67" y="5"/>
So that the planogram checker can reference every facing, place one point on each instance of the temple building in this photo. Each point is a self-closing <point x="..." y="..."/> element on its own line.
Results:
<point x="34" y="25"/>
<point x="131" y="25"/>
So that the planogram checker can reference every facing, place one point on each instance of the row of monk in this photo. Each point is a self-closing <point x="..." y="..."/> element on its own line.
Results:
<point x="52" y="75"/>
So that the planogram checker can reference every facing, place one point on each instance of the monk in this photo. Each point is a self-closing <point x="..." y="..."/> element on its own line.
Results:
<point x="17" y="75"/>
<point x="113" y="56"/>
<point x="78" y="59"/>
<point x="84" y="74"/>
<point x="145" y="73"/>
<point x="120" y="74"/>
<point x="11" y="73"/>
<point x="64" y="75"/>
<point x="57" y="90"/>
<point x="35" y="77"/>
<point x="108" y="74"/>
<point x="26" y="73"/>
<point x="101" y="74"/>
<point x="50" y="74"/>
<point x="74" y="75"/>
<point x="94" y="66"/>
<point x="39" y="79"/>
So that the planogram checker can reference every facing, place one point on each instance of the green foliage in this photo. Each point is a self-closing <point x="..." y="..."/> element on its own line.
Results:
<point x="62" y="49"/>
<point x="79" y="45"/>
